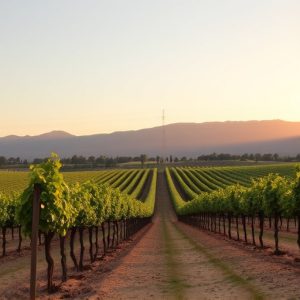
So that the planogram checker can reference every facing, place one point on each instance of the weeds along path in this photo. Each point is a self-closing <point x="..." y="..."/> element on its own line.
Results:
<point x="166" y="265"/>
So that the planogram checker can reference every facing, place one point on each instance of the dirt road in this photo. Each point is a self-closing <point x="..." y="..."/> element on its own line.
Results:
<point x="172" y="262"/>
<point x="164" y="265"/>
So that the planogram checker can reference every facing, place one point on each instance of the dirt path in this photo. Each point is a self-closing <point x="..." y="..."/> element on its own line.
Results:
<point x="165" y="265"/>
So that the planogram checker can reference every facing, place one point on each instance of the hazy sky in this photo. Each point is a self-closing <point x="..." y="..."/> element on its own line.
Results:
<point x="100" y="66"/>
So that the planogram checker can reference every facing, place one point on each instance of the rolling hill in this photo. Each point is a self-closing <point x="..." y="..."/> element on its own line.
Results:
<point x="190" y="139"/>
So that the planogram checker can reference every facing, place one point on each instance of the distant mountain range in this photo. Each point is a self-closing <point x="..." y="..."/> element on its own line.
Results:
<point x="189" y="139"/>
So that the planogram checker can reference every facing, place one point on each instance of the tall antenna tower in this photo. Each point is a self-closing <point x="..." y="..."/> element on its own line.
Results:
<point x="163" y="136"/>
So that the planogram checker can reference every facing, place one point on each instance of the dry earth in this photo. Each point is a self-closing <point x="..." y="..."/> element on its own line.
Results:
<point x="171" y="260"/>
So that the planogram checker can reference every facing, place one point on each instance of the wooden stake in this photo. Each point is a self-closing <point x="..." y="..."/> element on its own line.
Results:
<point x="34" y="238"/>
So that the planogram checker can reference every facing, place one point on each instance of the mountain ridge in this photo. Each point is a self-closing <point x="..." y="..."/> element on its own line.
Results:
<point x="50" y="134"/>
<point x="235" y="137"/>
<point x="159" y="126"/>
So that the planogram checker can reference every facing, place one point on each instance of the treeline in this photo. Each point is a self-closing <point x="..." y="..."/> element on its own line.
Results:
<point x="247" y="156"/>
<point x="12" y="161"/>
<point x="103" y="160"/>
<point x="80" y="160"/>
<point x="108" y="161"/>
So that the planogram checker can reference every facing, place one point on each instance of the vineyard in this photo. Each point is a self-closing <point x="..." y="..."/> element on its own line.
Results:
<point x="225" y="199"/>
<point x="85" y="216"/>
<point x="118" y="203"/>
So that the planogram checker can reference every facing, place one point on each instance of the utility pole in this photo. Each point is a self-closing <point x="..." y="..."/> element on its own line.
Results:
<point x="163" y="136"/>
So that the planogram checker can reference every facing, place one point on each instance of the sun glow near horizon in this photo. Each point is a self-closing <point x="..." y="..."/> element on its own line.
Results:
<point x="102" y="67"/>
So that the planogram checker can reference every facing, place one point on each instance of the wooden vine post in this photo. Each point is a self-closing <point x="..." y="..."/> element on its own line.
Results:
<point x="34" y="238"/>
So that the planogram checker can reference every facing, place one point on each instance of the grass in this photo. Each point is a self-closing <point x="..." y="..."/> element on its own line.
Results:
<point x="177" y="285"/>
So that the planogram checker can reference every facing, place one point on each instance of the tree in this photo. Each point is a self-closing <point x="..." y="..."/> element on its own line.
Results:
<point x="245" y="156"/>
<point x="257" y="157"/>
<point x="143" y="159"/>
<point x="109" y="162"/>
<point x="101" y="159"/>
<point x="91" y="159"/>
<point x="2" y="161"/>
<point x="267" y="157"/>
<point x="37" y="161"/>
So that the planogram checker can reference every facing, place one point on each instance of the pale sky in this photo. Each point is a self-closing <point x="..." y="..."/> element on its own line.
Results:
<point x="100" y="66"/>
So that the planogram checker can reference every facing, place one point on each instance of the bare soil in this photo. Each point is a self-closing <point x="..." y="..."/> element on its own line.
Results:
<point x="171" y="260"/>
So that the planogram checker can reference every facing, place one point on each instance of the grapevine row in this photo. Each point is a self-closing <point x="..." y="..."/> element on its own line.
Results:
<point x="88" y="206"/>
<point x="272" y="196"/>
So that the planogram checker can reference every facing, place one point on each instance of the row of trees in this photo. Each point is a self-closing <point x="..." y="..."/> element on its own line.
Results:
<point x="248" y="156"/>
<point x="273" y="197"/>
<point x="109" y="161"/>
<point x="81" y="160"/>
<point x="69" y="209"/>
<point x="11" y="161"/>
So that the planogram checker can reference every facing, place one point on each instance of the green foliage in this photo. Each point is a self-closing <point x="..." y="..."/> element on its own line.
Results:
<point x="272" y="195"/>
<point x="12" y="207"/>
<point x="178" y="202"/>
<point x="81" y="204"/>
<point x="296" y="194"/>
<point x="80" y="200"/>
<point x="187" y="190"/>
<point x="275" y="194"/>
<point x="150" y="199"/>
<point x="213" y="178"/>
<point x="56" y="211"/>
<point x="137" y="191"/>
<point x="4" y="216"/>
